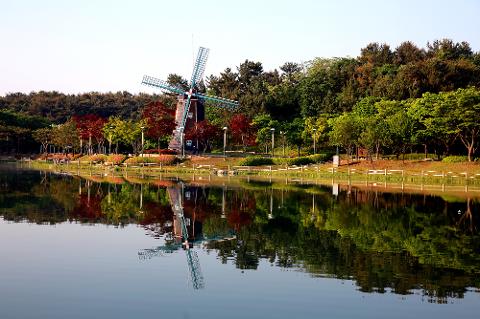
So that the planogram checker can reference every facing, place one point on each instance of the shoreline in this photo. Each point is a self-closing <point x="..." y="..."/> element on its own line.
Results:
<point x="339" y="181"/>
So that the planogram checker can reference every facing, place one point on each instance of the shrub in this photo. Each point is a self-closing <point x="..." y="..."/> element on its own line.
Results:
<point x="256" y="161"/>
<point x="455" y="159"/>
<point x="304" y="160"/>
<point x="162" y="151"/>
<point x="115" y="159"/>
<point x="162" y="159"/>
<point x="95" y="158"/>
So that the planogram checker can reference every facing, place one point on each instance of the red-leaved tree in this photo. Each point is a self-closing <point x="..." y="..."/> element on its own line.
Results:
<point x="160" y="120"/>
<point x="204" y="132"/>
<point x="90" y="129"/>
<point x="242" y="131"/>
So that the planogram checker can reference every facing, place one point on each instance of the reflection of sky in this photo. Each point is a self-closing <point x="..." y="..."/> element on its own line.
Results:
<point x="78" y="271"/>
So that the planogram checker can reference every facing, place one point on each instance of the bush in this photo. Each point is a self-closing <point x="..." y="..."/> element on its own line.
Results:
<point x="115" y="159"/>
<point x="95" y="158"/>
<point x="455" y="159"/>
<point x="162" y="151"/>
<point x="256" y="161"/>
<point x="162" y="159"/>
<point x="304" y="160"/>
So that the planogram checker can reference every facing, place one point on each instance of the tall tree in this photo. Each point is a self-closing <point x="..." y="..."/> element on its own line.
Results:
<point x="160" y="120"/>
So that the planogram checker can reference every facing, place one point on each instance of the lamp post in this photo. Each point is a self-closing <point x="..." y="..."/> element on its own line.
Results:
<point x="225" y="141"/>
<point x="90" y="151"/>
<point x="314" y="148"/>
<point x="110" y="141"/>
<point x="142" y="127"/>
<point x="282" y="133"/>
<point x="181" y="142"/>
<point x="273" y="141"/>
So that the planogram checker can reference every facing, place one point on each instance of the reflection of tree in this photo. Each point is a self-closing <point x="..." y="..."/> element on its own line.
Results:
<point x="121" y="207"/>
<point x="384" y="242"/>
<point x="466" y="218"/>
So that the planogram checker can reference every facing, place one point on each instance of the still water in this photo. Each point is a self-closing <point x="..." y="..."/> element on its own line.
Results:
<point x="125" y="247"/>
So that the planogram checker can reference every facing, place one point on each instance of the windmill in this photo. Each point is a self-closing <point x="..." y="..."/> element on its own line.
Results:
<point x="190" y="104"/>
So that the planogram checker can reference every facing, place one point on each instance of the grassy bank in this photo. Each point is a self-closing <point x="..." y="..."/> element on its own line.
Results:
<point x="385" y="171"/>
<point x="291" y="181"/>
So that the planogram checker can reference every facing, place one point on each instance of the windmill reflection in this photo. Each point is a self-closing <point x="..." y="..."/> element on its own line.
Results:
<point x="177" y="235"/>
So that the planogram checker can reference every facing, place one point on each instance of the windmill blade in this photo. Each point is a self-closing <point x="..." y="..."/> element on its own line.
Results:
<point x="163" y="85"/>
<point x="219" y="101"/>
<point x="195" y="271"/>
<point x="199" y="66"/>
<point x="186" y="107"/>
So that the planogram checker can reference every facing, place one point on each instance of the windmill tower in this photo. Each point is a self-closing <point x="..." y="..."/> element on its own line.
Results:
<point x="190" y="104"/>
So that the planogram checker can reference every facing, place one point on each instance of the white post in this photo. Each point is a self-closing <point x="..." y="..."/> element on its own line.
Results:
<point x="273" y="141"/>
<point x="224" y="141"/>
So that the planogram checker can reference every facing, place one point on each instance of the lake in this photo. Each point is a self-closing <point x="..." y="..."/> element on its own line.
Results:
<point x="106" y="246"/>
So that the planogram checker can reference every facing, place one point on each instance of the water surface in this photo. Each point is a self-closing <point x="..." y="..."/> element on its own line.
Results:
<point x="114" y="247"/>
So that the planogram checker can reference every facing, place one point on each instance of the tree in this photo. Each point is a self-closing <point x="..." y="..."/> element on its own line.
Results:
<point x="345" y="131"/>
<point x="400" y="124"/>
<point x="294" y="133"/>
<point x="90" y="129"/>
<point x="463" y="114"/>
<point x="242" y="130"/>
<point x="315" y="128"/>
<point x="204" y="132"/>
<point x="177" y="81"/>
<point x="113" y="131"/>
<point x="407" y="52"/>
<point x="263" y="123"/>
<point x="374" y="135"/>
<point x="160" y="120"/>
<point x="131" y="132"/>
<point x="44" y="137"/>
<point x="66" y="136"/>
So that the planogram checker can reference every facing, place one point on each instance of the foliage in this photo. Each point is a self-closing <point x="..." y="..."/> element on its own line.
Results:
<point x="95" y="158"/>
<point x="162" y="159"/>
<point x="455" y="159"/>
<point x="241" y="130"/>
<point x="204" y="132"/>
<point x="395" y="99"/>
<point x="159" y="118"/>
<point x="43" y="136"/>
<point x="256" y="161"/>
<point x="66" y="135"/>
<point x="115" y="159"/>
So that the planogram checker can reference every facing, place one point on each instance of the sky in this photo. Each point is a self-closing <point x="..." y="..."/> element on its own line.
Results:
<point x="81" y="46"/>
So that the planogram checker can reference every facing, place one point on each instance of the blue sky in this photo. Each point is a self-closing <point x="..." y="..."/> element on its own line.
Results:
<point x="81" y="46"/>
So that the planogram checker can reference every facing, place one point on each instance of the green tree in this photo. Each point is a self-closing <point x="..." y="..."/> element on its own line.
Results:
<point x="44" y="137"/>
<point x="264" y="123"/>
<point x="346" y="130"/>
<point x="463" y="114"/>
<point x="66" y="136"/>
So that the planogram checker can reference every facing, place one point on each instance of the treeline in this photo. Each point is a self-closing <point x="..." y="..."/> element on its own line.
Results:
<point x="337" y="102"/>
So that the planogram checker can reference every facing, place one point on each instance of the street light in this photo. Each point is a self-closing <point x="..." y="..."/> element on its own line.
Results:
<point x="225" y="141"/>
<point x="90" y="151"/>
<point x="282" y="133"/>
<point x="142" y="127"/>
<point x="181" y="141"/>
<point x="273" y="141"/>
<point x="314" y="149"/>
<point x="110" y="140"/>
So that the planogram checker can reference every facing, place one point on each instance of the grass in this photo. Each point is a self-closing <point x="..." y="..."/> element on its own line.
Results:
<point x="414" y="171"/>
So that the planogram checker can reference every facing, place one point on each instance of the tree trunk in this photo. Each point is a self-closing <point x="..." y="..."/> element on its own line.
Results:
<point x="470" y="152"/>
